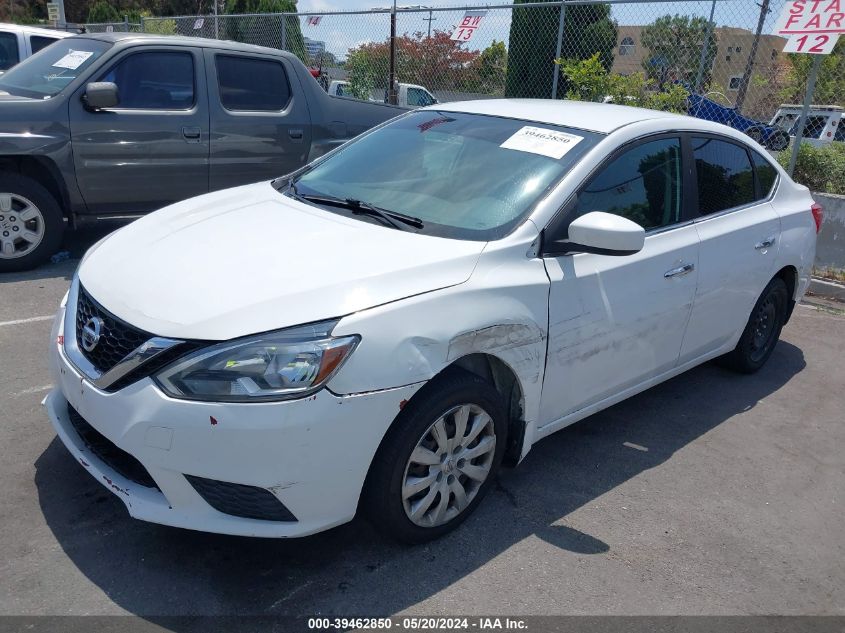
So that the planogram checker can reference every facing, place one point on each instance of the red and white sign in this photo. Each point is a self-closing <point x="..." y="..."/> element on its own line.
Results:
<point x="470" y="22"/>
<point x="813" y="26"/>
<point x="313" y="20"/>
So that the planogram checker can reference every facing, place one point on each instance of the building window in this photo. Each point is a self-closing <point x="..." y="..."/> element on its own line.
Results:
<point x="730" y="49"/>
<point x="727" y="58"/>
<point x="735" y="82"/>
<point x="739" y="49"/>
<point x="626" y="46"/>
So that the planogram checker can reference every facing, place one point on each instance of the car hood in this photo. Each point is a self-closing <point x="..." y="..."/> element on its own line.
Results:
<point x="250" y="259"/>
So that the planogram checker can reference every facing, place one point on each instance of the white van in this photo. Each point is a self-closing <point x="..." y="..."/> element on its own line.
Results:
<point x="18" y="42"/>
<point x="410" y="95"/>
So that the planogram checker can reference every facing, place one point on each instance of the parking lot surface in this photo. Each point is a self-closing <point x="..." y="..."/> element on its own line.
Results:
<point x="713" y="493"/>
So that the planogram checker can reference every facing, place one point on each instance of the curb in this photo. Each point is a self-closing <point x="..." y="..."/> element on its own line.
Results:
<point x="828" y="289"/>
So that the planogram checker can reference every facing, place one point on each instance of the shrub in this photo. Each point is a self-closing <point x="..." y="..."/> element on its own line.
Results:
<point x="819" y="168"/>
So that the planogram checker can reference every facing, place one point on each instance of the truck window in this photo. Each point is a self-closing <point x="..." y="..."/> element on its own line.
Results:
<point x="156" y="80"/>
<point x="839" y="135"/>
<point x="250" y="84"/>
<point x="813" y="126"/>
<point x="8" y="50"/>
<point x="37" y="42"/>
<point x="417" y="97"/>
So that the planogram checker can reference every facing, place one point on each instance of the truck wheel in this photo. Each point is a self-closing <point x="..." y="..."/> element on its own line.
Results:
<point x="438" y="460"/>
<point x="755" y="133"/>
<point x="31" y="223"/>
<point x="779" y="141"/>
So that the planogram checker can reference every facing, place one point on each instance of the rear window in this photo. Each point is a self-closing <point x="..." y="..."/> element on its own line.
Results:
<point x="37" y="42"/>
<point x="250" y="84"/>
<point x="766" y="175"/>
<point x="8" y="50"/>
<point x="724" y="174"/>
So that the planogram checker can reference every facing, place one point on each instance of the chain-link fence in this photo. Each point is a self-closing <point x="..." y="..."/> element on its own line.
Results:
<point x="655" y="54"/>
<point x="114" y="27"/>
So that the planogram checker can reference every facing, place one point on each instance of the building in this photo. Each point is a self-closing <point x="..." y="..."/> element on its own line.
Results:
<point x="314" y="47"/>
<point x="771" y="65"/>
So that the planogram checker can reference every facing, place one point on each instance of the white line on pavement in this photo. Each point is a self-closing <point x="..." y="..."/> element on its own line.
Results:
<point x="25" y="392"/>
<point x="29" y="320"/>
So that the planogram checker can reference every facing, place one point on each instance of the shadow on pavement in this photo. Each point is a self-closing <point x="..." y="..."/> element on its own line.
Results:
<point x="153" y="571"/>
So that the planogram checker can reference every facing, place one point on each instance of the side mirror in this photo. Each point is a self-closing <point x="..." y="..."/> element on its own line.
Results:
<point x="601" y="233"/>
<point x="101" y="94"/>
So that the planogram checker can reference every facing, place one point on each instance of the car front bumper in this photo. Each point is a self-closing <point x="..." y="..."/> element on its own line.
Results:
<point x="311" y="454"/>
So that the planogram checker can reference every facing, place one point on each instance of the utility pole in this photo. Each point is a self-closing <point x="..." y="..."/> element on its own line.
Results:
<point x="392" y="97"/>
<point x="749" y="65"/>
<point x="429" y="19"/>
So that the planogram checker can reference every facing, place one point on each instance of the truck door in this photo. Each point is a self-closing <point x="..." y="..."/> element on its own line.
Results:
<point x="260" y="123"/>
<point x="152" y="149"/>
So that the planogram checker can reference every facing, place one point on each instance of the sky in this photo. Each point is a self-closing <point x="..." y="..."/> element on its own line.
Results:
<point x="341" y="32"/>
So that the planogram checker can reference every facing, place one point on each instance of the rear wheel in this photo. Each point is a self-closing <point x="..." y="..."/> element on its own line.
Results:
<point x="31" y="223"/>
<point x="762" y="332"/>
<point x="755" y="133"/>
<point x="779" y="141"/>
<point x="438" y="460"/>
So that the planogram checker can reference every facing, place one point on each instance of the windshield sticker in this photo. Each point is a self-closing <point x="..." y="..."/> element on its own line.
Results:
<point x="538" y="140"/>
<point x="427" y="125"/>
<point x="73" y="60"/>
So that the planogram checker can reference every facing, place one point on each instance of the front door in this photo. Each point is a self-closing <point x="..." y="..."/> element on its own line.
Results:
<point x="260" y="123"/>
<point x="152" y="149"/>
<point x="616" y="321"/>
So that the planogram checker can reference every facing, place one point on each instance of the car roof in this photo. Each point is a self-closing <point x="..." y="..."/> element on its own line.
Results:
<point x="585" y="115"/>
<point x="33" y="30"/>
<point x="183" y="40"/>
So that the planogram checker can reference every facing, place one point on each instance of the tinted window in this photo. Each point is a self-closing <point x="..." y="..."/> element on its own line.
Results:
<point x="725" y="179"/>
<point x="643" y="185"/>
<point x="8" y="50"/>
<point x="766" y="174"/>
<point x="252" y="84"/>
<point x="154" y="81"/>
<point x="813" y="126"/>
<point x="840" y="131"/>
<point x="37" y="42"/>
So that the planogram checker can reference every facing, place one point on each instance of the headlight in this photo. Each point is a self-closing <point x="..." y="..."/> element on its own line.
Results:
<point x="275" y="366"/>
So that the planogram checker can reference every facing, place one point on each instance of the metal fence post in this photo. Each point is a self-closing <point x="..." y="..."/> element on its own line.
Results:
<point x="808" y="98"/>
<point x="143" y="27"/>
<point x="555" y="69"/>
<point x="705" y="49"/>
<point x="285" y="31"/>
<point x="392" y="97"/>
<point x="126" y="23"/>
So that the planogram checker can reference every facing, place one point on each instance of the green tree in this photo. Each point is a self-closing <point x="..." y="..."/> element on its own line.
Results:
<point x="587" y="30"/>
<point x="101" y="12"/>
<point x="675" y="43"/>
<point x="265" y="31"/>
<point x="490" y="69"/>
<point x="830" y="82"/>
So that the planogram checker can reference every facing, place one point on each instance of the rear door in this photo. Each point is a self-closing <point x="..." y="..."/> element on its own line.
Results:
<point x="260" y="123"/>
<point x="152" y="149"/>
<point x="739" y="232"/>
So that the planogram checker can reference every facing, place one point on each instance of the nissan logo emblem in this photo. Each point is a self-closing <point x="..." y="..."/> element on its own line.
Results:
<point x="91" y="332"/>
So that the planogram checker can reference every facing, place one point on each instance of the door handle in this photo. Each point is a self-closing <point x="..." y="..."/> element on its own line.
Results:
<point x="765" y="243"/>
<point x="295" y="134"/>
<point x="192" y="134"/>
<point x="679" y="271"/>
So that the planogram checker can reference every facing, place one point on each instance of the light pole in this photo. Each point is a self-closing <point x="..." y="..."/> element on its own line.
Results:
<point x="429" y="19"/>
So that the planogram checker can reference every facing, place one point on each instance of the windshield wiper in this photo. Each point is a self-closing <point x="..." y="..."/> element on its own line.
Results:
<point x="361" y="208"/>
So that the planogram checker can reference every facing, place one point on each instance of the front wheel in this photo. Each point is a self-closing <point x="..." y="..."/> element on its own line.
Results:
<point x="31" y="223"/>
<point x="762" y="331"/>
<point x="438" y="460"/>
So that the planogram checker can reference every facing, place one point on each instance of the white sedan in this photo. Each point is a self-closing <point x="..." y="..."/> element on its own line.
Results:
<point x="383" y="328"/>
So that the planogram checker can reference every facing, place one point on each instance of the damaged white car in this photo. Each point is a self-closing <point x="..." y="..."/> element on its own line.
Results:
<point x="383" y="328"/>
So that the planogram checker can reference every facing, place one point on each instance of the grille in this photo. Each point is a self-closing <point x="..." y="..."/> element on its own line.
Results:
<point x="249" y="502"/>
<point x="116" y="458"/>
<point x="117" y="338"/>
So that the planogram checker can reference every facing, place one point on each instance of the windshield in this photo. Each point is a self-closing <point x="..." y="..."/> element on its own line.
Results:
<point x="49" y="71"/>
<point x="465" y="176"/>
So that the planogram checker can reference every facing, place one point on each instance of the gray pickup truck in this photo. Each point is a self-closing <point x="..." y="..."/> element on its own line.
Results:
<point x="123" y="124"/>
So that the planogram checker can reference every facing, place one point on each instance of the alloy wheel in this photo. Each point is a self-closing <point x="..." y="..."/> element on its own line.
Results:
<point x="21" y="226"/>
<point x="448" y="466"/>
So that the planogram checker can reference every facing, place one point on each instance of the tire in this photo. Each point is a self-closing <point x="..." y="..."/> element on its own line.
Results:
<point x="778" y="141"/>
<point x="755" y="133"/>
<point x="27" y="240"/>
<point x="762" y="332"/>
<point x="441" y="402"/>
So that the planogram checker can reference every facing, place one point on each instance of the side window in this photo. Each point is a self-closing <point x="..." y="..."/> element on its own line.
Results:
<point x="250" y="84"/>
<point x="813" y="126"/>
<point x="37" y="42"/>
<point x="340" y="90"/>
<point x="725" y="178"/>
<point x="154" y="81"/>
<point x="643" y="185"/>
<point x="766" y="174"/>
<point x="417" y="97"/>
<point x="839" y="135"/>
<point x="8" y="50"/>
